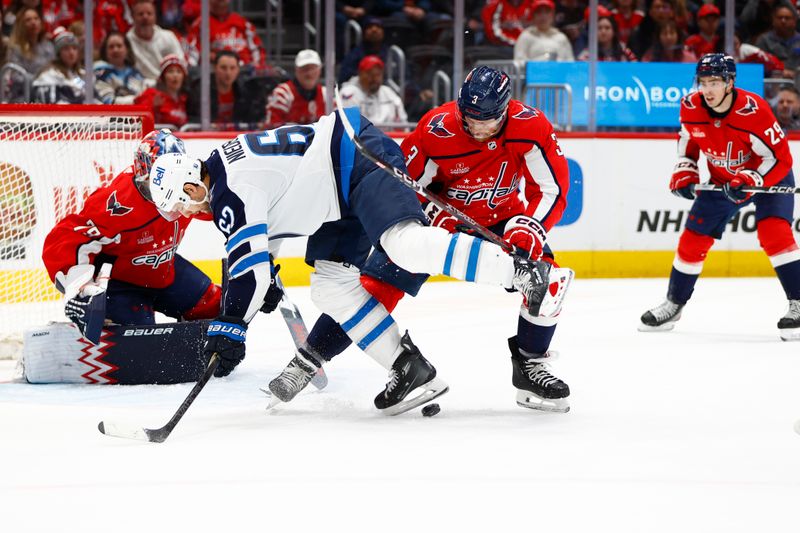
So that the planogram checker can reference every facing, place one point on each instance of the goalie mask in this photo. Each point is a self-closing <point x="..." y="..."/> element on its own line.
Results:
<point x="154" y="144"/>
<point x="169" y="174"/>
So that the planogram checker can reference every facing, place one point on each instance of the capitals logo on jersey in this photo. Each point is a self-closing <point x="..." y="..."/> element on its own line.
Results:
<point x="526" y="113"/>
<point x="749" y="108"/>
<point x="436" y="126"/>
<point x="116" y="208"/>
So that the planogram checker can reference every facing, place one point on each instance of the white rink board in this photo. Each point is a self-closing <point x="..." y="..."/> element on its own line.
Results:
<point x="621" y="178"/>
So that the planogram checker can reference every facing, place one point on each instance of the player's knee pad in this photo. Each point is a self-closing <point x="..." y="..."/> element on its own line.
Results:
<point x="692" y="251"/>
<point x="386" y="294"/>
<point x="775" y="236"/>
<point x="208" y="306"/>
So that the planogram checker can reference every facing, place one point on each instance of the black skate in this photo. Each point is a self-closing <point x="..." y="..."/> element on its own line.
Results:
<point x="789" y="325"/>
<point x="411" y="376"/>
<point x="536" y="387"/>
<point x="662" y="317"/>
<point x="301" y="370"/>
<point x="532" y="279"/>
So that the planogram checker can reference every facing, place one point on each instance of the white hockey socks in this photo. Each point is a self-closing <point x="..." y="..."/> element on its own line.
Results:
<point x="336" y="290"/>
<point x="432" y="250"/>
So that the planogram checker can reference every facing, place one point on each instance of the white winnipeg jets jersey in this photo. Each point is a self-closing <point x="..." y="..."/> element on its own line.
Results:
<point x="270" y="186"/>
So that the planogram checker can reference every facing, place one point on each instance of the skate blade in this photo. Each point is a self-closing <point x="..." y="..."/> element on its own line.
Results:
<point x="790" y="334"/>
<point x="530" y="400"/>
<point x="273" y="402"/>
<point x="427" y="392"/>
<point x="320" y="379"/>
<point x="667" y="326"/>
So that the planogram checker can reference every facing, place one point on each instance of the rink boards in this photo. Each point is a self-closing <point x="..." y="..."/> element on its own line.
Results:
<point x="621" y="220"/>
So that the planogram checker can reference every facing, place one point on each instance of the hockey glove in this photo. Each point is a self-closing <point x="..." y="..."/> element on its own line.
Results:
<point x="85" y="298"/>
<point x="684" y="177"/>
<point x="441" y="218"/>
<point x="743" y="178"/>
<point x="526" y="234"/>
<point x="274" y="293"/>
<point x="226" y="336"/>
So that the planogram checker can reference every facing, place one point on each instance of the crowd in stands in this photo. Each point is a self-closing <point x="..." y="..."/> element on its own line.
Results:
<point x="147" y="51"/>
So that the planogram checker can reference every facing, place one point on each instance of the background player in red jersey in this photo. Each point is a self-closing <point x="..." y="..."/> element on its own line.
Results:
<point x="119" y="224"/>
<point x="475" y="152"/>
<point x="745" y="147"/>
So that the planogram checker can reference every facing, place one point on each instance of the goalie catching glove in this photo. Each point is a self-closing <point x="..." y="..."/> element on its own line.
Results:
<point x="526" y="234"/>
<point x="85" y="298"/>
<point x="225" y="337"/>
<point x="684" y="177"/>
<point x="743" y="178"/>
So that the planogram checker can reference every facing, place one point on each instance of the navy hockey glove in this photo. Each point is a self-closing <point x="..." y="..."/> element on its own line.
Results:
<point x="226" y="336"/>
<point x="744" y="178"/>
<point x="274" y="293"/>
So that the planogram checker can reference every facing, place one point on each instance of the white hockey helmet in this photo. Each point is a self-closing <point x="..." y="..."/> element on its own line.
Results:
<point x="169" y="174"/>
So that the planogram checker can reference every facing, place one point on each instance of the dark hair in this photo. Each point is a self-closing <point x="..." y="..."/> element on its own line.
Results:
<point x="226" y="53"/>
<point x="659" y="53"/>
<point x="789" y="87"/>
<point x="616" y="45"/>
<point x="104" y="47"/>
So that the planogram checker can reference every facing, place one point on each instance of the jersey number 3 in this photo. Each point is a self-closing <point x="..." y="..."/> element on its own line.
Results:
<point x="289" y="140"/>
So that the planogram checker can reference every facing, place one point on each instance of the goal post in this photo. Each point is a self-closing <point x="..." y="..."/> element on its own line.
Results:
<point x="51" y="158"/>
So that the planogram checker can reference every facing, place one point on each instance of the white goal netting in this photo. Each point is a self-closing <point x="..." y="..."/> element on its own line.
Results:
<point x="49" y="164"/>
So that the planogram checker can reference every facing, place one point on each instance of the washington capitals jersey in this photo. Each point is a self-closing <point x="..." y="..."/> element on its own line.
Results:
<point x="117" y="224"/>
<point x="273" y="185"/>
<point x="746" y="137"/>
<point x="483" y="179"/>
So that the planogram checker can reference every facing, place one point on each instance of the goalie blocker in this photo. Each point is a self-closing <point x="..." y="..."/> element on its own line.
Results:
<point x="158" y="354"/>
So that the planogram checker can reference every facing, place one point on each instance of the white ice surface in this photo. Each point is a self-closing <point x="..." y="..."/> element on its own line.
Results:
<point x="686" y="431"/>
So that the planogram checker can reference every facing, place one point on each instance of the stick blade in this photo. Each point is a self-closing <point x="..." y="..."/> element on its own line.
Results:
<point x="125" y="432"/>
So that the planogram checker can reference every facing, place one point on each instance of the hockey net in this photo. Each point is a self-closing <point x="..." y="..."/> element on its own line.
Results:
<point x="51" y="159"/>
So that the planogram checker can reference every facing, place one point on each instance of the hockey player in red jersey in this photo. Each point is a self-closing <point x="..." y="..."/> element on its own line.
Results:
<point x="475" y="152"/>
<point x="745" y="147"/>
<point x="119" y="224"/>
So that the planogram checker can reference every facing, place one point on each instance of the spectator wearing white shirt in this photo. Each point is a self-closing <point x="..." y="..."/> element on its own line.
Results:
<point x="378" y="102"/>
<point x="149" y="42"/>
<point x="541" y="41"/>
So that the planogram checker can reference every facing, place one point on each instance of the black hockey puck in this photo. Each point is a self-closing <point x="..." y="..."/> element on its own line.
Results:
<point x="432" y="409"/>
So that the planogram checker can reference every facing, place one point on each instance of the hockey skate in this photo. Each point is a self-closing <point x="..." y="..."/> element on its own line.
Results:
<point x="536" y="387"/>
<point x="661" y="317"/>
<point x="789" y="325"/>
<point x="302" y="369"/>
<point x="412" y="382"/>
<point x="532" y="279"/>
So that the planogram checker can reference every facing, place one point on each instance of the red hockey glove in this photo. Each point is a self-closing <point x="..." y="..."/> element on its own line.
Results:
<point x="441" y="218"/>
<point x="684" y="177"/>
<point x="743" y="178"/>
<point x="527" y="234"/>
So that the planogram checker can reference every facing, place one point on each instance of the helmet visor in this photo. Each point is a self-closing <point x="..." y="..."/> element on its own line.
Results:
<point x="484" y="129"/>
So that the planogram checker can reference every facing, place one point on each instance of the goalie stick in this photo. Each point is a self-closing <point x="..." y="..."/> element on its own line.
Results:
<point x="160" y="435"/>
<point x="774" y="189"/>
<point x="561" y="277"/>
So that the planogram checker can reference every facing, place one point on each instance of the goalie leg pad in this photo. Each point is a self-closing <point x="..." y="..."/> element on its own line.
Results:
<point x="336" y="290"/>
<point x="126" y="355"/>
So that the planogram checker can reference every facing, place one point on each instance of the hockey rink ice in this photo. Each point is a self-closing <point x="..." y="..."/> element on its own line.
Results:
<point x="686" y="431"/>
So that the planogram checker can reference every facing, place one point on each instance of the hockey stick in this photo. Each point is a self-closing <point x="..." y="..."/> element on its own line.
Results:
<point x="775" y="189"/>
<point x="299" y="332"/>
<point x="161" y="434"/>
<point x="411" y="183"/>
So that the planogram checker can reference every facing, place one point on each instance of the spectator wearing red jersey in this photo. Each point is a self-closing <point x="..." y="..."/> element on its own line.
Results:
<point x="300" y="100"/>
<point x="707" y="40"/>
<point x="110" y="15"/>
<point x="150" y="43"/>
<point x="609" y="47"/>
<point x="748" y="53"/>
<point x="169" y="97"/>
<point x="229" y="31"/>
<point x="627" y="18"/>
<point x="60" y="13"/>
<point x="504" y="20"/>
<point x="230" y="102"/>
<point x="669" y="46"/>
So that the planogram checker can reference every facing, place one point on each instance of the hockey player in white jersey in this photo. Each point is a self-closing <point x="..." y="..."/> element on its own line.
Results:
<point x="265" y="187"/>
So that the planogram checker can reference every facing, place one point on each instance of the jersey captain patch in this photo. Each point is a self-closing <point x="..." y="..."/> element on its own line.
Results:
<point x="750" y="107"/>
<point x="436" y="126"/>
<point x="116" y="208"/>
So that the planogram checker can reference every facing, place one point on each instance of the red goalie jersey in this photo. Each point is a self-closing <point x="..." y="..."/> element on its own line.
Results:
<point x="120" y="225"/>
<point x="482" y="179"/>
<point x="747" y="137"/>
